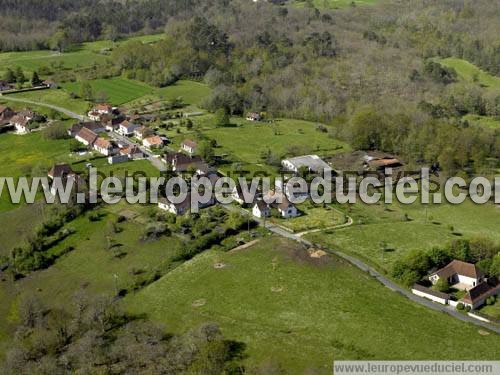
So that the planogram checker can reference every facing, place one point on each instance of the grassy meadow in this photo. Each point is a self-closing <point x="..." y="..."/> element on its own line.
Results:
<point x="60" y="98"/>
<point x="83" y="55"/>
<point x="383" y="234"/>
<point x="117" y="89"/>
<point x="471" y="73"/>
<point x="303" y="313"/>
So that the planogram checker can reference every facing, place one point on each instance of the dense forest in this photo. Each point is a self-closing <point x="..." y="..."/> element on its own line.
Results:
<point x="370" y="72"/>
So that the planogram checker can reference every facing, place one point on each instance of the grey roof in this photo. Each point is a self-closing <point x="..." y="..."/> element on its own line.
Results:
<point x="312" y="162"/>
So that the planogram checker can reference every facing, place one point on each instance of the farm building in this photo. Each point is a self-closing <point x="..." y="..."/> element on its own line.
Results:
<point x="460" y="274"/>
<point x="312" y="163"/>
<point x="87" y="137"/>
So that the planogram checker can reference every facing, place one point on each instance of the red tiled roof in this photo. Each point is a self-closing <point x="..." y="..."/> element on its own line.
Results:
<point x="154" y="140"/>
<point x="102" y="143"/>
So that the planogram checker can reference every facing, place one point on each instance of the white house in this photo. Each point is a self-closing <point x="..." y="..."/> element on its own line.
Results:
<point x="279" y="201"/>
<point x="152" y="142"/>
<point x="126" y="128"/>
<point x="261" y="209"/>
<point x="104" y="147"/>
<point x="462" y="275"/>
<point x="175" y="208"/>
<point x="189" y="146"/>
<point x="132" y="152"/>
<point x="142" y="132"/>
<point x="21" y="123"/>
<point x="87" y="137"/>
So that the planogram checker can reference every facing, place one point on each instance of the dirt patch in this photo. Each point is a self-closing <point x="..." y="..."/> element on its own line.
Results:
<point x="277" y="289"/>
<point x="483" y="333"/>
<point x="199" y="303"/>
<point x="316" y="253"/>
<point x="243" y="247"/>
<point x="219" y="266"/>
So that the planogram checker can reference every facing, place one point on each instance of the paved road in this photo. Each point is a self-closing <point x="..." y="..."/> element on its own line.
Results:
<point x="370" y="270"/>
<point x="67" y="112"/>
<point x="154" y="160"/>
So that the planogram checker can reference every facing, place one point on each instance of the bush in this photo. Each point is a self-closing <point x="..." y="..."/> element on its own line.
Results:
<point x="467" y="309"/>
<point x="460" y="306"/>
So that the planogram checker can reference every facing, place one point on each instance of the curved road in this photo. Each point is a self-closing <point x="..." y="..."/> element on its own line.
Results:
<point x="67" y="112"/>
<point x="371" y="271"/>
<point x="277" y="230"/>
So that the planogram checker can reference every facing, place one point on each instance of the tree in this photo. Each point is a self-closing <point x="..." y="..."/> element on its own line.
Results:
<point x="442" y="285"/>
<point x="9" y="76"/>
<point x="20" y="77"/>
<point x="59" y="41"/>
<point x="86" y="91"/>
<point x="222" y="117"/>
<point x="35" y="80"/>
<point x="206" y="151"/>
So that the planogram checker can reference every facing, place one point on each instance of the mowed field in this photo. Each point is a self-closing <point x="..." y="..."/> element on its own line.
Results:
<point x="287" y="308"/>
<point x="60" y="98"/>
<point x="81" y="56"/>
<point x="118" y="90"/>
<point x="400" y="229"/>
<point x="191" y="92"/>
<point x="20" y="155"/>
<point x="248" y="140"/>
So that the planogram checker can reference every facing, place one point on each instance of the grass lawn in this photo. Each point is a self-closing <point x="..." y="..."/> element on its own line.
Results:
<point x="17" y="224"/>
<point x="21" y="154"/>
<point x="469" y="72"/>
<point x="91" y="266"/>
<point x="313" y="217"/>
<point x="302" y="313"/>
<point x="60" y="98"/>
<point x="493" y="310"/>
<point x="248" y="140"/>
<point x="118" y="90"/>
<point x="80" y="56"/>
<point x="191" y="92"/>
<point x="378" y="227"/>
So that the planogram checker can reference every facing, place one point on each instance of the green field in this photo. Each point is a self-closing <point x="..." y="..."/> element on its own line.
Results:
<point x="191" y="92"/>
<point x="81" y="56"/>
<point x="471" y="73"/>
<point x="58" y="98"/>
<point x="248" y="140"/>
<point x="287" y="308"/>
<point x="23" y="154"/>
<point x="118" y="90"/>
<point x="377" y="227"/>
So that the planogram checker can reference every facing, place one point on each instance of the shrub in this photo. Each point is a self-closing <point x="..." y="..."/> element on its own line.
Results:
<point x="467" y="308"/>
<point x="460" y="306"/>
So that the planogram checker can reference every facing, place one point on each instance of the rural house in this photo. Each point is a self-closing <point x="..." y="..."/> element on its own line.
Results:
<point x="152" y="142"/>
<point x="477" y="296"/>
<point x="254" y="116"/>
<point x="460" y="274"/>
<point x="280" y="202"/>
<point x="104" y="146"/>
<point x="60" y="171"/>
<point x="189" y="146"/>
<point x="180" y="162"/>
<point x="87" y="137"/>
<point x="126" y="128"/>
<point x="21" y="123"/>
<point x="175" y="208"/>
<point x="96" y="127"/>
<point x="261" y="209"/>
<point x="311" y="163"/>
<point x="142" y="132"/>
<point x="5" y="115"/>
<point x="133" y="152"/>
<point x="6" y="86"/>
